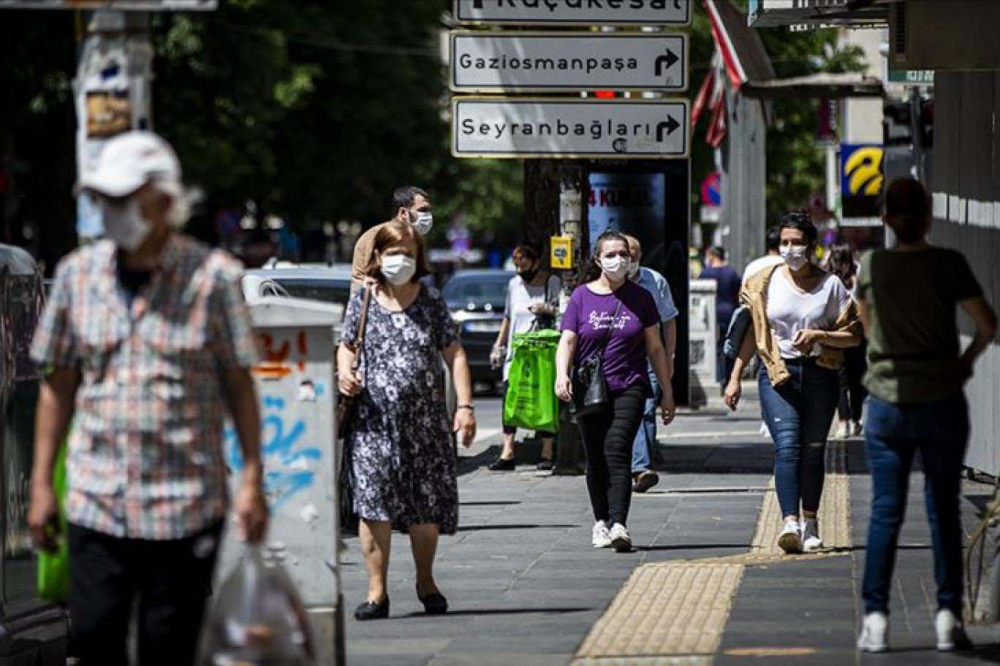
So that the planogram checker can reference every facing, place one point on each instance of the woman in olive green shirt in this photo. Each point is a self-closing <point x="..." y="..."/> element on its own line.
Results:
<point x="916" y="370"/>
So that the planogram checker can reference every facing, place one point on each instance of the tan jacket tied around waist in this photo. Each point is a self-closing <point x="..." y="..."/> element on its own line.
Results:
<point x="754" y="296"/>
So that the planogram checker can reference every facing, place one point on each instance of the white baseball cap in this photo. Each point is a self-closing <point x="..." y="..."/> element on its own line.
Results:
<point x="129" y="161"/>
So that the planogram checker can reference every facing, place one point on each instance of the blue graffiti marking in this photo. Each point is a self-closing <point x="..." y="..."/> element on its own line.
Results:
<point x="285" y="459"/>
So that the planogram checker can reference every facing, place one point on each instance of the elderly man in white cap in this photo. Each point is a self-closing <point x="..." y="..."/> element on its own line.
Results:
<point x="147" y="342"/>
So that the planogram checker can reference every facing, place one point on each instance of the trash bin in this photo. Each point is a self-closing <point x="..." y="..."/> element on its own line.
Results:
<point x="297" y="391"/>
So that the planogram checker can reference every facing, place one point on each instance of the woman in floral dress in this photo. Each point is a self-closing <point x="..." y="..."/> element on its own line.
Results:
<point x="403" y="472"/>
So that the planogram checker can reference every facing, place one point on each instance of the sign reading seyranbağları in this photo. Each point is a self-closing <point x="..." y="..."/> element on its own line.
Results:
<point x="575" y="12"/>
<point x="556" y="61"/>
<point x="570" y="128"/>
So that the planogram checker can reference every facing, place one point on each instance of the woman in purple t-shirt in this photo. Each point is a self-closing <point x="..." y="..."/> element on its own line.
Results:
<point x="609" y="314"/>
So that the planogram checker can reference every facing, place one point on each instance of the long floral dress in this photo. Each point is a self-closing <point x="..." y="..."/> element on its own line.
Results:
<point x="403" y="467"/>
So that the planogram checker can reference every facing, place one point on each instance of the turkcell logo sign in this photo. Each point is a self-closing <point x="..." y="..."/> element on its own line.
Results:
<point x="570" y="128"/>
<point x="861" y="170"/>
<point x="498" y="62"/>
<point x="586" y="12"/>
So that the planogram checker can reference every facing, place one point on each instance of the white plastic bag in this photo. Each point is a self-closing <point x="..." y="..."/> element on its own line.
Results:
<point x="258" y="618"/>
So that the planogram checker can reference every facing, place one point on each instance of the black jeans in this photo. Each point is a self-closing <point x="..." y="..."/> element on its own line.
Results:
<point x="852" y="388"/>
<point x="607" y="441"/>
<point x="171" y="579"/>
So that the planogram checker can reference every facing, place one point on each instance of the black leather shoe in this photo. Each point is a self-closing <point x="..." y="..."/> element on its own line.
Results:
<point x="434" y="603"/>
<point x="501" y="465"/>
<point x="372" y="611"/>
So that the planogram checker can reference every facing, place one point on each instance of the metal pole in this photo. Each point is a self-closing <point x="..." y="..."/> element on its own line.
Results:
<point x="113" y="93"/>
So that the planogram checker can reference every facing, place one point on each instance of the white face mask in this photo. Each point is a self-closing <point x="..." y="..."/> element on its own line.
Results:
<point x="616" y="267"/>
<point x="125" y="225"/>
<point x="398" y="268"/>
<point x="633" y="269"/>
<point x="795" y="256"/>
<point x="422" y="222"/>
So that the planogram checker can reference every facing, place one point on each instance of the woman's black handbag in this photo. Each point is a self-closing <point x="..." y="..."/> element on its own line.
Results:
<point x="590" y="387"/>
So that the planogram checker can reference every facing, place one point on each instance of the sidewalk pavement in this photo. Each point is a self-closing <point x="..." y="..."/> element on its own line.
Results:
<point x="705" y="583"/>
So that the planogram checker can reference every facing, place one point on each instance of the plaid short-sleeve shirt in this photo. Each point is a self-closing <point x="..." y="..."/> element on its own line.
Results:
<point x="145" y="455"/>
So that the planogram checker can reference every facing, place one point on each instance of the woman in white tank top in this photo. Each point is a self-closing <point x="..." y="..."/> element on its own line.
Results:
<point x="804" y="304"/>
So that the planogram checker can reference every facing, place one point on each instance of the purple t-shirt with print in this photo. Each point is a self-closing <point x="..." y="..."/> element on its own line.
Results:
<point x="589" y="315"/>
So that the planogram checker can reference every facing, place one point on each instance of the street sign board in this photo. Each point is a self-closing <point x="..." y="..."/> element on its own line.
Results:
<point x="560" y="61"/>
<point x="574" y="12"/>
<point x="570" y="128"/>
<point x="120" y="5"/>
<point x="912" y="77"/>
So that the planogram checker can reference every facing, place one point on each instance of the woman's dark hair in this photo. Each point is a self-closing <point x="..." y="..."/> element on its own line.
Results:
<point x="528" y="251"/>
<point x="592" y="270"/>
<point x="907" y="208"/>
<point x="773" y="239"/>
<point x="800" y="221"/>
<point x="395" y="233"/>
<point x="842" y="263"/>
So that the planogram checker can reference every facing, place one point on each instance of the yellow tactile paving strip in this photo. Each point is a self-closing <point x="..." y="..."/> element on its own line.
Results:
<point x="669" y="609"/>
<point x="674" y="613"/>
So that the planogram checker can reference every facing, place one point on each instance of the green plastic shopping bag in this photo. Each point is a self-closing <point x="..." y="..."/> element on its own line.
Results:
<point x="531" y="401"/>
<point x="53" y="568"/>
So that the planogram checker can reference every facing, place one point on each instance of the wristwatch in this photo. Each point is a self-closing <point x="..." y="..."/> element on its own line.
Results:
<point x="471" y="408"/>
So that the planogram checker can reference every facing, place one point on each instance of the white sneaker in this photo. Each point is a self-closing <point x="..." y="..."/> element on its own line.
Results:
<point x="600" y="536"/>
<point x="951" y="634"/>
<point x="810" y="535"/>
<point x="874" y="633"/>
<point x="843" y="431"/>
<point x="620" y="539"/>
<point x="790" y="539"/>
<point x="857" y="429"/>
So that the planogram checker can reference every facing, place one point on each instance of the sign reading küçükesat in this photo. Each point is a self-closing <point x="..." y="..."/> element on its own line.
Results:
<point x="575" y="12"/>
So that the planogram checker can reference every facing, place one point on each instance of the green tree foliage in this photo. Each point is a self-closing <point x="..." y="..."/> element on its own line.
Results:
<point x="795" y="162"/>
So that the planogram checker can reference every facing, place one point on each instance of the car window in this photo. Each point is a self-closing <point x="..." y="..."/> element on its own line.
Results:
<point x="328" y="291"/>
<point x="476" y="290"/>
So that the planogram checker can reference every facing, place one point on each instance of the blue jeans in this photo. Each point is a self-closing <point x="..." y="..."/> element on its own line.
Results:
<point x="893" y="433"/>
<point x="645" y="439"/>
<point x="798" y="415"/>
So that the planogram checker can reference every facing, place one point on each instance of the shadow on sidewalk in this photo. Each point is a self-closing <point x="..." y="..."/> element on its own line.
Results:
<point x="505" y="611"/>
<point x="481" y="528"/>
<point x="721" y="458"/>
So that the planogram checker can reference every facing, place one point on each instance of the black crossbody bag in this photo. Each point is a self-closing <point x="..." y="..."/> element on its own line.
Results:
<point x="590" y="387"/>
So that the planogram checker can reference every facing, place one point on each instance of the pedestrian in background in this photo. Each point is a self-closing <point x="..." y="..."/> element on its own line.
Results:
<point x="771" y="258"/>
<point x="611" y="316"/>
<point x="727" y="296"/>
<point x="403" y="469"/>
<point x="852" y="390"/>
<point x="803" y="319"/>
<point x="149" y="347"/>
<point x="909" y="296"/>
<point x="410" y="205"/>
<point x="532" y="304"/>
<point x="644" y="478"/>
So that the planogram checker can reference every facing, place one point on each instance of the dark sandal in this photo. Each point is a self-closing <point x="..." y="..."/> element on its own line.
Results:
<point x="372" y="611"/>
<point x="434" y="603"/>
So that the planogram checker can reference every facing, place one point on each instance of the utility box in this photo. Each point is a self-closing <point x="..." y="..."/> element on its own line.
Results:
<point x="703" y="340"/>
<point x="297" y="389"/>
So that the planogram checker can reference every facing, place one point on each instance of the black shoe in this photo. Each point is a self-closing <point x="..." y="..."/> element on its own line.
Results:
<point x="545" y="464"/>
<point x="645" y="481"/>
<point x="434" y="603"/>
<point x="501" y="465"/>
<point x="372" y="611"/>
